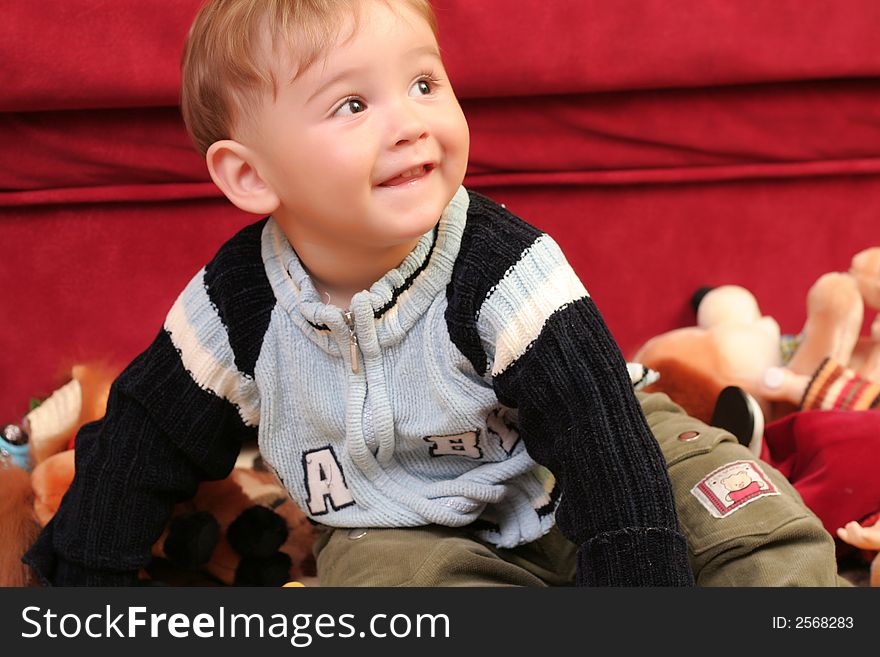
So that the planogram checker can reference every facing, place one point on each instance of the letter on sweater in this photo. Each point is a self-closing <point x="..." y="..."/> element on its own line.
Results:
<point x="324" y="479"/>
<point x="462" y="444"/>
<point x="506" y="431"/>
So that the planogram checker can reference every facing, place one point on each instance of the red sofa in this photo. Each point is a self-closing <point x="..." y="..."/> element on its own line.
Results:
<point x="666" y="144"/>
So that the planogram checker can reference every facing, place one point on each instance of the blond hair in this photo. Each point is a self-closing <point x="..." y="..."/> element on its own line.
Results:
<point x="226" y="69"/>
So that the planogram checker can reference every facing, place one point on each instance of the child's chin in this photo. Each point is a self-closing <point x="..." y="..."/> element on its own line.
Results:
<point x="425" y="221"/>
<point x="416" y="220"/>
<point x="408" y="235"/>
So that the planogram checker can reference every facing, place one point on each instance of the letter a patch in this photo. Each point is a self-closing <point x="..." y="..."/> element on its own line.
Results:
<point x="325" y="481"/>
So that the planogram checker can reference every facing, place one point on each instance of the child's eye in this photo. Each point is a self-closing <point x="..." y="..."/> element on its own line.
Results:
<point x="421" y="87"/>
<point x="350" y="106"/>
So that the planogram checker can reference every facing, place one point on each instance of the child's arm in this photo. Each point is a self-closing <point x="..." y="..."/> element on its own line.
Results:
<point x="161" y="436"/>
<point x="176" y="416"/>
<point x="578" y="416"/>
<point x="551" y="356"/>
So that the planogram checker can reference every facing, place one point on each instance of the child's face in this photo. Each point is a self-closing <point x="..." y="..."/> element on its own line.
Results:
<point x="369" y="145"/>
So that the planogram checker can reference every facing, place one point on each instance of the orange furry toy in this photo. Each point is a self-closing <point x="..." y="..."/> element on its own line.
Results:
<point x="240" y="530"/>
<point x="18" y="527"/>
<point x="43" y="432"/>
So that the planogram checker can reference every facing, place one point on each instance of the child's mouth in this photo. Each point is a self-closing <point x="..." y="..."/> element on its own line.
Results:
<point x="408" y="176"/>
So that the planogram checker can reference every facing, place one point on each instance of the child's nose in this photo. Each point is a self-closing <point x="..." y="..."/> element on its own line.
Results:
<point x="408" y="125"/>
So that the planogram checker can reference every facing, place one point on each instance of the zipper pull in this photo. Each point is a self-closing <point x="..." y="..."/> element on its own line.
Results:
<point x="352" y="341"/>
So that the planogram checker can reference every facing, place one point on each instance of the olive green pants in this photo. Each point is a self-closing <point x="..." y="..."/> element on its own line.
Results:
<point x="768" y="538"/>
<point x="440" y="556"/>
<point x="744" y="523"/>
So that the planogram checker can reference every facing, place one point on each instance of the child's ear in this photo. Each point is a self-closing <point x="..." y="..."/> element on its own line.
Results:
<point x="232" y="170"/>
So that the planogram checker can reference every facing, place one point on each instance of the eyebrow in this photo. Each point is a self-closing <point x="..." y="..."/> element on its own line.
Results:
<point x="341" y="75"/>
<point x="357" y="70"/>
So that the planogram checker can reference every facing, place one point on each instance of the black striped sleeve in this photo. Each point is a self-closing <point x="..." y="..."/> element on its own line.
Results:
<point x="176" y="416"/>
<point x="237" y="285"/>
<point x="551" y="356"/>
<point x="493" y="241"/>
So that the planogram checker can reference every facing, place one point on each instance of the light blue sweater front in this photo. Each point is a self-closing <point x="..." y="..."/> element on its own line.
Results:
<point x="408" y="435"/>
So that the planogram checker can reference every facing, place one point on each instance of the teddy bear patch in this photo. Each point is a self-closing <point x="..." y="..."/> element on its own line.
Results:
<point x="732" y="486"/>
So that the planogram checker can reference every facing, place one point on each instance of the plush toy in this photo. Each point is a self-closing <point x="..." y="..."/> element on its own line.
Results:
<point x="18" y="526"/>
<point x="818" y="433"/>
<point x="43" y="432"/>
<point x="51" y="427"/>
<point x="50" y="481"/>
<point x="732" y="344"/>
<point x="828" y="365"/>
<point x="242" y="530"/>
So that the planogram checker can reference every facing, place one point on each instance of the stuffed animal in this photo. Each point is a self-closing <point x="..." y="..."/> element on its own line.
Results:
<point x="242" y="530"/>
<point x="733" y="344"/>
<point x="43" y="432"/>
<point x="832" y="456"/>
<point x="51" y="427"/>
<point x="18" y="526"/>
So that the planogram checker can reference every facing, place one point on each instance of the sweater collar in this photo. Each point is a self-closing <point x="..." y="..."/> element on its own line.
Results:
<point x="395" y="301"/>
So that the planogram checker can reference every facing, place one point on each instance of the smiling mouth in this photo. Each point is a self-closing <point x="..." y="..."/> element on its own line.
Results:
<point x="408" y="176"/>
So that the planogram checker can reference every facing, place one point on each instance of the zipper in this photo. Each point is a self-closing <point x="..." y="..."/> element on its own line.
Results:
<point x="352" y="341"/>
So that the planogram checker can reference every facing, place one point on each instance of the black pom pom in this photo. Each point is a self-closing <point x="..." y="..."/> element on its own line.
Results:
<point x="271" y="571"/>
<point x="191" y="539"/>
<point x="257" y="532"/>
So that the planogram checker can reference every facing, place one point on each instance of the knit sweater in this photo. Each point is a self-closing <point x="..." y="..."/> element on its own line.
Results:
<point x="444" y="395"/>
